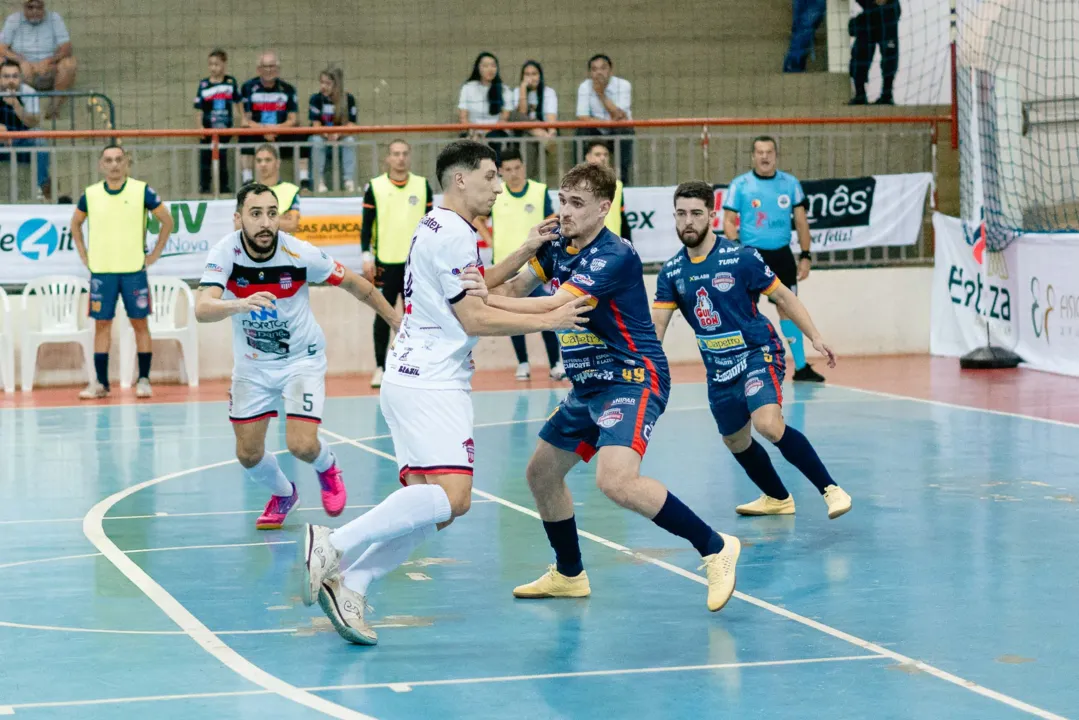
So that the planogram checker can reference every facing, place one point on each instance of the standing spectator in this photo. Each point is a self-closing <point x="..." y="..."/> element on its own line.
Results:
<point x="607" y="97"/>
<point x="20" y="111"/>
<point x="40" y="43"/>
<point x="331" y="106"/>
<point x="484" y="100"/>
<point x="213" y="107"/>
<point x="270" y="102"/>
<point x="393" y="205"/>
<point x="523" y="206"/>
<point x="533" y="99"/>
<point x="598" y="153"/>
<point x="877" y="24"/>
<point x="117" y="260"/>
<point x="758" y="208"/>
<point x="807" y="16"/>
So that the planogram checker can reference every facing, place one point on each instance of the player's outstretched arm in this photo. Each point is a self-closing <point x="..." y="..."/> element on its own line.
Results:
<point x="503" y="271"/>
<point x="793" y="308"/>
<point x="479" y="319"/>
<point x="661" y="318"/>
<point x="209" y="307"/>
<point x="533" y="305"/>
<point x="364" y="291"/>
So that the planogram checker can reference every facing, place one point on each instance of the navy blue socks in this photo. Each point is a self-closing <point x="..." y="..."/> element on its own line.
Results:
<point x="677" y="519"/>
<point x="144" y="364"/>
<point x="758" y="466"/>
<point x="562" y="535"/>
<point x="800" y="453"/>
<point x="101" y="368"/>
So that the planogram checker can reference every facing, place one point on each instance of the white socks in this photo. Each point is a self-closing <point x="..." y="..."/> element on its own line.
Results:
<point x="268" y="474"/>
<point x="325" y="459"/>
<point x="408" y="509"/>
<point x="383" y="557"/>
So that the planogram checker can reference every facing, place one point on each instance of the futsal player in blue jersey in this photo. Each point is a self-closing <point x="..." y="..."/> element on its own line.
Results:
<point x="715" y="284"/>
<point x="620" y="386"/>
<point x="757" y="211"/>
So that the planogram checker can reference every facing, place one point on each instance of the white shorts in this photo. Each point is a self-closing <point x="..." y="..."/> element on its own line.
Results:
<point x="256" y="391"/>
<point x="431" y="429"/>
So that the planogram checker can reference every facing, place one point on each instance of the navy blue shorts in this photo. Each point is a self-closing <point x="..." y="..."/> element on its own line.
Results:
<point x="759" y="384"/>
<point x="105" y="288"/>
<point x="623" y="416"/>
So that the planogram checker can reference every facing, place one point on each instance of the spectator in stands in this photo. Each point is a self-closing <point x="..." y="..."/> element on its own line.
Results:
<point x="331" y="106"/>
<point x="604" y="96"/>
<point x="877" y="24"/>
<point x="213" y="107"/>
<point x="806" y="17"/>
<point x="597" y="152"/>
<point x="40" y="43"/>
<point x="20" y="111"/>
<point x="270" y="102"/>
<point x="533" y="99"/>
<point x="484" y="100"/>
<point x="393" y="204"/>
<point x="268" y="172"/>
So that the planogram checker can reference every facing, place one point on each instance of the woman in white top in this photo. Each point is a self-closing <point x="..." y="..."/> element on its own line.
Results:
<point x="484" y="100"/>
<point x="533" y="100"/>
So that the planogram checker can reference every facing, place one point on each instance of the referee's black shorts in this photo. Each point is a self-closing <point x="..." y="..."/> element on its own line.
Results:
<point x="783" y="265"/>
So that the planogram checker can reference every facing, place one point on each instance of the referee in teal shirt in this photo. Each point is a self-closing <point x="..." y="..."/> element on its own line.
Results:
<point x="757" y="211"/>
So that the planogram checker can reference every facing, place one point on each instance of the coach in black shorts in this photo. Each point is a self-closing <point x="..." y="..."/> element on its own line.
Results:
<point x="272" y="103"/>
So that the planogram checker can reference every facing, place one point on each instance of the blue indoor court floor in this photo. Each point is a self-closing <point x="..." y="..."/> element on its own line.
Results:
<point x="134" y="584"/>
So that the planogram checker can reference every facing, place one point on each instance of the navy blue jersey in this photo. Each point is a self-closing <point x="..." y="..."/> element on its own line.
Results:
<point x="718" y="298"/>
<point x="619" y="344"/>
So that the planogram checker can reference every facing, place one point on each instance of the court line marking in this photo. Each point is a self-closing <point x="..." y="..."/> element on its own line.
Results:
<point x="764" y="605"/>
<point x="408" y="685"/>
<point x="94" y="530"/>
<point x="107" y="631"/>
<point x="146" y="550"/>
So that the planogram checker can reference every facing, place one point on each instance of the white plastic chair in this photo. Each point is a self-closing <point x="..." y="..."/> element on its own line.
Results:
<point x="59" y="300"/>
<point x="7" y="346"/>
<point x="166" y="294"/>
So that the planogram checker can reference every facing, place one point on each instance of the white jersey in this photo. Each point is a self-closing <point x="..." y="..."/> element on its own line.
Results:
<point x="289" y="331"/>
<point x="432" y="349"/>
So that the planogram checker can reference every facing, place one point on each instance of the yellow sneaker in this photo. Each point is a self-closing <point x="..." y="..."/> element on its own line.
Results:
<point x="838" y="501"/>
<point x="720" y="570"/>
<point x="765" y="505"/>
<point x="555" y="584"/>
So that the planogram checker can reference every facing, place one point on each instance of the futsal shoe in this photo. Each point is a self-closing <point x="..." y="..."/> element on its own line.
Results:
<point x="345" y="610"/>
<point x="807" y="374"/>
<point x="333" y="490"/>
<point x="838" y="501"/>
<point x="321" y="561"/>
<point x="273" y="517"/>
<point x="720" y="570"/>
<point x="767" y="505"/>
<point x="555" y="585"/>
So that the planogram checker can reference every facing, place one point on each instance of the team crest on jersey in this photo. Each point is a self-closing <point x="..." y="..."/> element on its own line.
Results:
<point x="723" y="281"/>
<point x="262" y="275"/>
<point x="784" y="201"/>
<point x="597" y="265"/>
<point x="530" y="208"/>
<point x="555" y="284"/>
<point x="236" y="251"/>
<point x="470" y="448"/>
<point x="680" y="285"/>
<point x="413" y="200"/>
<point x="286" y="281"/>
<point x="706" y="316"/>
<point x="609" y="418"/>
<point x="755" y="204"/>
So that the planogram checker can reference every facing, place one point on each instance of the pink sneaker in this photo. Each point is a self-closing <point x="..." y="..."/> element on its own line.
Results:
<point x="273" y="517"/>
<point x="333" y="490"/>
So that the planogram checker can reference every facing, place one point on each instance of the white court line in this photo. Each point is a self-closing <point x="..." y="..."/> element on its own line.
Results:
<point x="764" y="605"/>
<point x="106" y="631"/>
<point x="408" y="685"/>
<point x="146" y="550"/>
<point x="93" y="529"/>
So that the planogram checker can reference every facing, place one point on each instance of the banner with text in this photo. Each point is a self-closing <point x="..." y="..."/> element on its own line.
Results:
<point x="1048" y="307"/>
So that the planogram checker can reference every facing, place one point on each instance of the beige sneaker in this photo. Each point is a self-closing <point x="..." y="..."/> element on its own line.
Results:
<point x="143" y="389"/>
<point x="720" y="570"/>
<point x="554" y="584"/>
<point x="345" y="609"/>
<point x="94" y="391"/>
<point x="766" y="505"/>
<point x="838" y="501"/>
<point x="376" y="378"/>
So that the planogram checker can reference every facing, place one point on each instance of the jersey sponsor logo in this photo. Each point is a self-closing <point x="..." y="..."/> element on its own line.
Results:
<point x="211" y="267"/>
<point x="646" y="432"/>
<point x="555" y="284"/>
<point x="470" y="449"/>
<point x="706" y="316"/>
<point x="610" y="418"/>
<point x="731" y="373"/>
<point x="409" y="370"/>
<point x="601" y="375"/>
<point x="597" y="264"/>
<point x="695" y="278"/>
<point x="753" y="386"/>
<point x="285" y="281"/>
<point x="577" y="364"/>
<point x="720" y="343"/>
<point x="723" y="281"/>
<point x="727" y="261"/>
<point x="784" y="201"/>
<point x="758" y="371"/>
<point x="430" y="222"/>
<point x="580" y="339"/>
<point x="264" y="314"/>
<point x="584" y="280"/>
<point x="675" y="272"/>
<point x="624" y="401"/>
<point x="755" y="203"/>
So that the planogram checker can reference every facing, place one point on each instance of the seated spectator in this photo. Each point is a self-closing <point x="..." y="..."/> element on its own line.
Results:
<point x="213" y="106"/>
<point x="484" y="100"/>
<point x="40" y="43"/>
<point x="604" y="96"/>
<point x="597" y="152"/>
<point x="19" y="111"/>
<point x="270" y="102"/>
<point x="533" y="99"/>
<point x="331" y="106"/>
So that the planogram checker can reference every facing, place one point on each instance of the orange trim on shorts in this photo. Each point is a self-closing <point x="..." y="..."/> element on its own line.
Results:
<point x="435" y="470"/>
<point x="256" y="418"/>
<point x="775" y="381"/>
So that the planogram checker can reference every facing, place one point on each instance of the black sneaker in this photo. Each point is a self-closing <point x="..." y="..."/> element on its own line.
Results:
<point x="858" y="100"/>
<point x="808" y="374"/>
<point x="885" y="99"/>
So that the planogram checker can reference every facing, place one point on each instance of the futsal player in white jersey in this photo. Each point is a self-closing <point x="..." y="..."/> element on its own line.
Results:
<point x="426" y="393"/>
<point x="259" y="276"/>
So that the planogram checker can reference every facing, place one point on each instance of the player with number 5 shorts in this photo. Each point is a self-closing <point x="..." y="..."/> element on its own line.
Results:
<point x="260" y="278"/>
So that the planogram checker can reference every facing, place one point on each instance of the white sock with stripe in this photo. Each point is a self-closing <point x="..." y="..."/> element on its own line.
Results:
<point x="325" y="459"/>
<point x="383" y="558"/>
<point x="268" y="474"/>
<point x="409" y="508"/>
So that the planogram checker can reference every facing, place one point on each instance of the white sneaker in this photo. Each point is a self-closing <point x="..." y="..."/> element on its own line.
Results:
<point x="143" y="389"/>
<point x="320" y="559"/>
<point x="322" y="187"/>
<point x="376" y="379"/>
<point x="766" y="505"/>
<point x="345" y="610"/>
<point x="558" y="372"/>
<point x="350" y="186"/>
<point x="838" y="501"/>
<point x="523" y="371"/>
<point x="94" y="391"/>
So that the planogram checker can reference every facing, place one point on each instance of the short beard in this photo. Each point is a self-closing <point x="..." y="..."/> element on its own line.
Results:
<point x="255" y="248"/>
<point x="700" y="239"/>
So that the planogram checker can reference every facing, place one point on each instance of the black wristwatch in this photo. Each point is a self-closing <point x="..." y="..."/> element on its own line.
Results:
<point x="806" y="255"/>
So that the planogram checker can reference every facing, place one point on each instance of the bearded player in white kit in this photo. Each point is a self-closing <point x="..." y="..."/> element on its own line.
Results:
<point x="426" y="393"/>
<point x="259" y="276"/>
